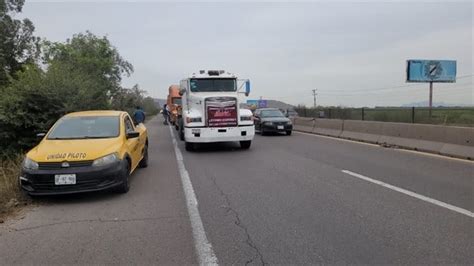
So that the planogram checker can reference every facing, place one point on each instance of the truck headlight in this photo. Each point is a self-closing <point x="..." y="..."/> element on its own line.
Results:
<point x="30" y="164"/>
<point x="245" y="118"/>
<point x="193" y="119"/>
<point x="106" y="160"/>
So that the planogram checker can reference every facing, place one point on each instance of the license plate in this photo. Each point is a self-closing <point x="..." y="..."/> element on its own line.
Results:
<point x="69" y="179"/>
<point x="280" y="127"/>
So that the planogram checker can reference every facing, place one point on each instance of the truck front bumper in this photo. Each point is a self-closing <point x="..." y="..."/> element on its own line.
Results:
<point x="219" y="134"/>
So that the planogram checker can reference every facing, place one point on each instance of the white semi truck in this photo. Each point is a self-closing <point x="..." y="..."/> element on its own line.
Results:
<point x="211" y="112"/>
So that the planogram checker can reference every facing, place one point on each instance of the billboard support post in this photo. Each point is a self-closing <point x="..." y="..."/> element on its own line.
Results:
<point x="431" y="97"/>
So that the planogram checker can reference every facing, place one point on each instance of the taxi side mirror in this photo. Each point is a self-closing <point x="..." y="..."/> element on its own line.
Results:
<point x="132" y="134"/>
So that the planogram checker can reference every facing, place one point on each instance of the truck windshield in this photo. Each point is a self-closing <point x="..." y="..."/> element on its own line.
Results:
<point x="212" y="85"/>
<point x="177" y="101"/>
<point x="86" y="127"/>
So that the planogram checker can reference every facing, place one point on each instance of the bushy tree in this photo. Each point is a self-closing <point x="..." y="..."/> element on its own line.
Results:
<point x="18" y="45"/>
<point x="27" y="107"/>
<point x="86" y="70"/>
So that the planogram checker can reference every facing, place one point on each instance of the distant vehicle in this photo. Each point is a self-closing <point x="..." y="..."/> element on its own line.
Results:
<point x="290" y="113"/>
<point x="86" y="151"/>
<point x="272" y="120"/>
<point x="174" y="105"/>
<point x="211" y="110"/>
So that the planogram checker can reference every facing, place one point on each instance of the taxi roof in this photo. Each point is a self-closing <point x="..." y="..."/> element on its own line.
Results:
<point x="96" y="113"/>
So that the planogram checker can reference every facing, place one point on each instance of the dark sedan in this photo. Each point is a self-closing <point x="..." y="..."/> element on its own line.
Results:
<point x="272" y="120"/>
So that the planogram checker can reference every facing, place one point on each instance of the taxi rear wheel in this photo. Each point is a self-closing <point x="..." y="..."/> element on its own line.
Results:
<point x="124" y="187"/>
<point x="144" y="161"/>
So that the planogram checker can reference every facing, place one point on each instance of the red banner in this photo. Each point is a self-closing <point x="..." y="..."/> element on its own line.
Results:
<point x="221" y="112"/>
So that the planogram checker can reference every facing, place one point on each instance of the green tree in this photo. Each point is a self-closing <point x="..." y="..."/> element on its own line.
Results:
<point x="18" y="45"/>
<point x="86" y="70"/>
<point x="27" y="107"/>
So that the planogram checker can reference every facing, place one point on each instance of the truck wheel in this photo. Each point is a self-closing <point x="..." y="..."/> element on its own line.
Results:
<point x="144" y="162"/>
<point x="124" y="176"/>
<point x="288" y="132"/>
<point x="189" y="146"/>
<point x="245" y="144"/>
<point x="181" y="129"/>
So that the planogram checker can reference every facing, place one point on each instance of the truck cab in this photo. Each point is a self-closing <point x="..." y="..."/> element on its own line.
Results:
<point x="211" y="112"/>
<point x="174" y="104"/>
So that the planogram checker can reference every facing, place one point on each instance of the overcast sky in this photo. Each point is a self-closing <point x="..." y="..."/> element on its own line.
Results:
<point x="353" y="53"/>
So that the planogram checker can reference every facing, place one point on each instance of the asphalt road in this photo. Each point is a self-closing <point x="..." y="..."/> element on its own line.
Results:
<point x="284" y="201"/>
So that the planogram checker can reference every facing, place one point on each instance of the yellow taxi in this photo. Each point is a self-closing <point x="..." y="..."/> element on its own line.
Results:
<point x="86" y="151"/>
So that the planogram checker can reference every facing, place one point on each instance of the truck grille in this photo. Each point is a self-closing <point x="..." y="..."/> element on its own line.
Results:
<point x="221" y="111"/>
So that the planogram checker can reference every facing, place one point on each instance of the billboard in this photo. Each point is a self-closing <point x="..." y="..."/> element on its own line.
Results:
<point x="257" y="103"/>
<point x="431" y="71"/>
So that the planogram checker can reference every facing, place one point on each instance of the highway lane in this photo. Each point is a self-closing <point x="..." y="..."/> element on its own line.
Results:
<point x="287" y="201"/>
<point x="284" y="201"/>
<point x="148" y="225"/>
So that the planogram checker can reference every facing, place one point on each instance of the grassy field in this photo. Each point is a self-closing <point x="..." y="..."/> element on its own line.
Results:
<point x="11" y="196"/>
<point x="440" y="116"/>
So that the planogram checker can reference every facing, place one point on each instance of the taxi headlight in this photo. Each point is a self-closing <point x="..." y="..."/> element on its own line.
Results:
<point x="30" y="164"/>
<point x="106" y="160"/>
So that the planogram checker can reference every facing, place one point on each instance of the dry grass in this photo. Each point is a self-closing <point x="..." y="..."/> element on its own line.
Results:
<point x="11" y="196"/>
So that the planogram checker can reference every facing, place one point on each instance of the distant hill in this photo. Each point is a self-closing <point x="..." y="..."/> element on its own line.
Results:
<point x="159" y="102"/>
<point x="435" y="104"/>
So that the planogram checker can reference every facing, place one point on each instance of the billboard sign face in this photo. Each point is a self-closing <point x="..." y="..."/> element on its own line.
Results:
<point x="262" y="104"/>
<point x="257" y="103"/>
<point x="431" y="71"/>
<point x="252" y="103"/>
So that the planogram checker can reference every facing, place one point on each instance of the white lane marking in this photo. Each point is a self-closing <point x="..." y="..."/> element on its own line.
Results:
<point x="203" y="247"/>
<point x="412" y="194"/>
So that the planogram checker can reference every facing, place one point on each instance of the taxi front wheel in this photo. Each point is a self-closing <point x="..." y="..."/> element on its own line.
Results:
<point x="124" y="187"/>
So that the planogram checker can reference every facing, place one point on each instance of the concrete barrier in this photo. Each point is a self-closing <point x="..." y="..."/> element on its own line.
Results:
<point x="459" y="142"/>
<point x="445" y="140"/>
<point x="428" y="138"/>
<point x="303" y="124"/>
<point x="328" y="127"/>
<point x="367" y="131"/>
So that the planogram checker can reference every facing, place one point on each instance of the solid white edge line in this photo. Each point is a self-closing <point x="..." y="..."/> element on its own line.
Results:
<point x="412" y="194"/>
<point x="203" y="247"/>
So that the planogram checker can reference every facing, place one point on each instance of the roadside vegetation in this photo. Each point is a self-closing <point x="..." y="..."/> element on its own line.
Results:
<point x="42" y="80"/>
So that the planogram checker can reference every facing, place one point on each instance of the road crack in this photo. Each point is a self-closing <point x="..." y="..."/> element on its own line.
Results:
<point x="258" y="255"/>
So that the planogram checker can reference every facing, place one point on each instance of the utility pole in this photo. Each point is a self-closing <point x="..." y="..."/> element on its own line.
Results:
<point x="314" y="98"/>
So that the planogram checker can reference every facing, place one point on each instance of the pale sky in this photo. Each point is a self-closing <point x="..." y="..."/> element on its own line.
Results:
<point x="354" y="53"/>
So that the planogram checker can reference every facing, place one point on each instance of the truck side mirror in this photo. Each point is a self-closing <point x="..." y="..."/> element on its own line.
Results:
<point x="247" y="88"/>
<point x="181" y="92"/>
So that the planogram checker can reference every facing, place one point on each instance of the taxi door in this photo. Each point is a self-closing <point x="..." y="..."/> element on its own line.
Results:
<point x="133" y="144"/>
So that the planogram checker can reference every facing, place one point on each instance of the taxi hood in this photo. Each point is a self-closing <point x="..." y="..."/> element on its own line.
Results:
<point x="73" y="149"/>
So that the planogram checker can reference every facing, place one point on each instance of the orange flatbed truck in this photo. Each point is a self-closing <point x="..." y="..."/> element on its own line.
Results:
<point x="174" y="104"/>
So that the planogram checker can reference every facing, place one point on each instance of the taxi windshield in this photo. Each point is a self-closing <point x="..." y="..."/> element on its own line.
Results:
<point x="86" y="127"/>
